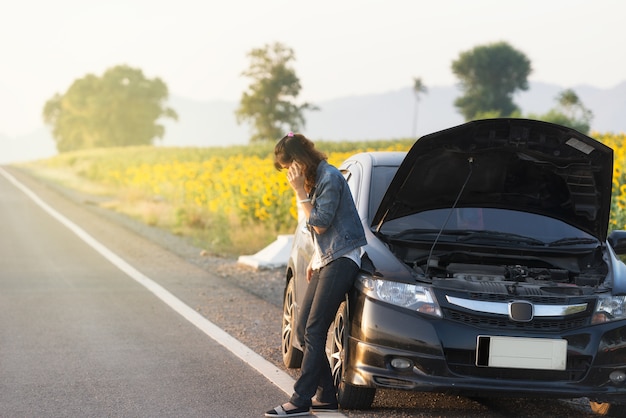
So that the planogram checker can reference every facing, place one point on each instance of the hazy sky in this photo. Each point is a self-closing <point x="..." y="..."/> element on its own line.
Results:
<point x="342" y="47"/>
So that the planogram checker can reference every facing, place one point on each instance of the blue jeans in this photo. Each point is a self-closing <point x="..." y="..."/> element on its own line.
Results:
<point x="323" y="296"/>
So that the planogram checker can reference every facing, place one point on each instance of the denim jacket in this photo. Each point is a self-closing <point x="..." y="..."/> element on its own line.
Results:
<point x="334" y="209"/>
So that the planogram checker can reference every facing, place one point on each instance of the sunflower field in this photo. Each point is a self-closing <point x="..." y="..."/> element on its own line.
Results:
<point x="229" y="200"/>
<point x="618" y="203"/>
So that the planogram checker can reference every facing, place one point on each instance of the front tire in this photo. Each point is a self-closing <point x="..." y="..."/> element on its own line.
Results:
<point x="292" y="357"/>
<point x="349" y="396"/>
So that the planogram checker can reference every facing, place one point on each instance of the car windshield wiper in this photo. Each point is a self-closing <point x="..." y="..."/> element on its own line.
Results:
<point x="412" y="233"/>
<point x="573" y="241"/>
<point x="500" y="236"/>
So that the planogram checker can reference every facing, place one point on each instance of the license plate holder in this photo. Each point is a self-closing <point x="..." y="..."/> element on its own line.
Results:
<point x="521" y="352"/>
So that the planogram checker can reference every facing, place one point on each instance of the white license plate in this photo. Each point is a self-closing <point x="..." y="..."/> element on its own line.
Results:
<point x="521" y="353"/>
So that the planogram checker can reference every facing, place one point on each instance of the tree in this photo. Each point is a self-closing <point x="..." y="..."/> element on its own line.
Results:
<point x="418" y="88"/>
<point x="121" y="108"/>
<point x="571" y="105"/>
<point x="489" y="76"/>
<point x="268" y="103"/>
<point x="570" y="112"/>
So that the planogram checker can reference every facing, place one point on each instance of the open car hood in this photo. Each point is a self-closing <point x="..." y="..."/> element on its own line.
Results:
<point x="517" y="164"/>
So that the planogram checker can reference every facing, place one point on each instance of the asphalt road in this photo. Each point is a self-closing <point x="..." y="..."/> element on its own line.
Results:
<point x="79" y="337"/>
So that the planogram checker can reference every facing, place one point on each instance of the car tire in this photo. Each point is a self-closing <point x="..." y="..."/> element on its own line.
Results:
<point x="607" y="409"/>
<point x="292" y="357"/>
<point x="349" y="396"/>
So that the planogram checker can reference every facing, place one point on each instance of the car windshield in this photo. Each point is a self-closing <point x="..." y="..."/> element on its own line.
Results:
<point x="380" y="181"/>
<point x="488" y="225"/>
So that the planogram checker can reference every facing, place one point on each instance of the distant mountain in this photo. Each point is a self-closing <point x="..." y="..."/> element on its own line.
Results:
<point x="608" y="105"/>
<point x="366" y="117"/>
<point x="390" y="115"/>
<point x="382" y="116"/>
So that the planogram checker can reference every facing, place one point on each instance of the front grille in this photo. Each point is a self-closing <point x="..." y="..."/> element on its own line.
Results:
<point x="503" y="322"/>
<point x="462" y="362"/>
<point x="471" y="313"/>
<point x="504" y="297"/>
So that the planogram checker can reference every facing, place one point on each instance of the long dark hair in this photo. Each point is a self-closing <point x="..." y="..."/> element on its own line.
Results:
<point x="298" y="148"/>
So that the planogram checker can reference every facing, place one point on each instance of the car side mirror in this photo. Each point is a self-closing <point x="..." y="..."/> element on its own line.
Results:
<point x="617" y="239"/>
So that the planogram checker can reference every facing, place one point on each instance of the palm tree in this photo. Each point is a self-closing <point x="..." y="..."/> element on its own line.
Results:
<point x="418" y="88"/>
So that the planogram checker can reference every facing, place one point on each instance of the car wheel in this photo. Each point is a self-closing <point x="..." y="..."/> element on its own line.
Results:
<point x="607" y="409"/>
<point x="292" y="357"/>
<point x="349" y="396"/>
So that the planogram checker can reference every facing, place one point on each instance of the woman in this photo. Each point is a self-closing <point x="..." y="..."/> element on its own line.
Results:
<point x="338" y="235"/>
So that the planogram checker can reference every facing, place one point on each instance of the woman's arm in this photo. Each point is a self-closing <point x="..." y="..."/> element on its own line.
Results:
<point x="295" y="176"/>
<point x="307" y="207"/>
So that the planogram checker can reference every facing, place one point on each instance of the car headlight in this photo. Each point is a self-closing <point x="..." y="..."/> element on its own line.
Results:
<point x="410" y="296"/>
<point x="609" y="308"/>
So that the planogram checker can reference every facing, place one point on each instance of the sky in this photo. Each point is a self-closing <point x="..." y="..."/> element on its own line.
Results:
<point x="342" y="47"/>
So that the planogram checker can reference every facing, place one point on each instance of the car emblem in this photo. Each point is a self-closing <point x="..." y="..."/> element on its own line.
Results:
<point x="521" y="311"/>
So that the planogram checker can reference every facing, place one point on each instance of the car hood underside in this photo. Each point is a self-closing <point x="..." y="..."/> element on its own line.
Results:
<point x="518" y="164"/>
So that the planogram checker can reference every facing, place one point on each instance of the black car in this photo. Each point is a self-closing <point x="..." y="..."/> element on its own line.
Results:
<point x="488" y="270"/>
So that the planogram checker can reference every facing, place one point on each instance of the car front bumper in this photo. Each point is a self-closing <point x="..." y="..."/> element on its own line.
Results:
<point x="439" y="355"/>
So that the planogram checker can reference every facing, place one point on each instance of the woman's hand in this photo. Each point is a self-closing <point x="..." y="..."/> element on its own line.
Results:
<point x="295" y="177"/>
<point x="309" y="273"/>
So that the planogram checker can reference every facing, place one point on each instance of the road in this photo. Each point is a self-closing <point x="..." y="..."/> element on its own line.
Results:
<point x="97" y="320"/>
<point x="80" y="337"/>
